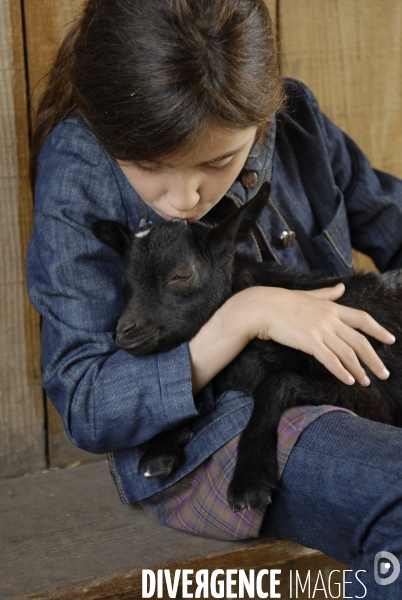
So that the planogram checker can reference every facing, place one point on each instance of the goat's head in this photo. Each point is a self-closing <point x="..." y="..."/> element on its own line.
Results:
<point x="176" y="274"/>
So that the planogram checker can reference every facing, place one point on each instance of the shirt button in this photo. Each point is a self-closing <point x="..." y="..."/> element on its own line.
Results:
<point x="287" y="237"/>
<point x="249" y="179"/>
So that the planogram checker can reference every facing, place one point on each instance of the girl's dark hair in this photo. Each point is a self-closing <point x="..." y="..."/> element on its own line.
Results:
<point x="150" y="75"/>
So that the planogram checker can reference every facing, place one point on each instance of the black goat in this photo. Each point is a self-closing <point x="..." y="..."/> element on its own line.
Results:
<point x="179" y="274"/>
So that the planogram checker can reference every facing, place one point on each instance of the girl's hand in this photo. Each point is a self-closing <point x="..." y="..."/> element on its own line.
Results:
<point x="312" y="322"/>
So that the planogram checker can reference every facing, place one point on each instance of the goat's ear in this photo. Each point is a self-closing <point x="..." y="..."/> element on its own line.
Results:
<point x="112" y="234"/>
<point x="235" y="227"/>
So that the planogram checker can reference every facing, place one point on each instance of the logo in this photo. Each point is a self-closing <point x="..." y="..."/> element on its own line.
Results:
<point x="382" y="566"/>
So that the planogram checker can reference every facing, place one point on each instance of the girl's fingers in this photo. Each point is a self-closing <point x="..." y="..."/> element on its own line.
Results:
<point x="342" y="361"/>
<point x="350" y="346"/>
<point x="307" y="321"/>
<point x="347" y="353"/>
<point x="330" y="360"/>
<point x="328" y="293"/>
<point x="359" y="319"/>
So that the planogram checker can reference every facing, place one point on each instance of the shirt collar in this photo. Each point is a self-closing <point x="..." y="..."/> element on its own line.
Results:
<point x="260" y="161"/>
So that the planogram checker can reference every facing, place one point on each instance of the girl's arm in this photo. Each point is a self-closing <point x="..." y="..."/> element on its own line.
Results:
<point x="306" y="320"/>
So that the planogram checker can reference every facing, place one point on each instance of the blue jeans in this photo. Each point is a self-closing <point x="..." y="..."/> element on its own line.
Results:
<point x="341" y="493"/>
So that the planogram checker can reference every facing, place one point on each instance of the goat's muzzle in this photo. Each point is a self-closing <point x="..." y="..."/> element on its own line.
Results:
<point x="136" y="337"/>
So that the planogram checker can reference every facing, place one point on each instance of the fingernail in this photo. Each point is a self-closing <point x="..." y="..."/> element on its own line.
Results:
<point x="366" y="381"/>
<point x="351" y="380"/>
<point x="385" y="373"/>
<point x="392" y="338"/>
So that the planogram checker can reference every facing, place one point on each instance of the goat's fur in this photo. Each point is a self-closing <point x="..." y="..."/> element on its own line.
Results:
<point x="177" y="276"/>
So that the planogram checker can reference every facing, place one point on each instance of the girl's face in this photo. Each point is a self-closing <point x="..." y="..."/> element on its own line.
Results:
<point x="187" y="187"/>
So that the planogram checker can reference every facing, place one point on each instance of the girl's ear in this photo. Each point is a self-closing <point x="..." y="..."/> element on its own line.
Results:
<point x="112" y="234"/>
<point x="235" y="227"/>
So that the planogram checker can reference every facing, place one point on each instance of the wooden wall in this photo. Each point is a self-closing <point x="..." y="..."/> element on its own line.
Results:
<point x="348" y="51"/>
<point x="22" y="435"/>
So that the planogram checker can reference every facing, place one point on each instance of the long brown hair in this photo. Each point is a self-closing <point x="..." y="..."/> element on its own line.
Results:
<point x="149" y="76"/>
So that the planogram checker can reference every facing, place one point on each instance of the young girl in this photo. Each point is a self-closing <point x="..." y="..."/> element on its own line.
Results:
<point x="175" y="109"/>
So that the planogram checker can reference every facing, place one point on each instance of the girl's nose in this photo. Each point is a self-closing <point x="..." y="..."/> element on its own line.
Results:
<point x="183" y="193"/>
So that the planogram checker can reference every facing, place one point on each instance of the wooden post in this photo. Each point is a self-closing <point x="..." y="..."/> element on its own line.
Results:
<point x="22" y="435"/>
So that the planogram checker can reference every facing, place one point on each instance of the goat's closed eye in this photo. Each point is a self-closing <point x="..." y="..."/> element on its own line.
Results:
<point x="177" y="278"/>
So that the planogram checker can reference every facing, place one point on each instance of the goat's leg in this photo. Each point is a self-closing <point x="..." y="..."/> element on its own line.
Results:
<point x="256" y="471"/>
<point x="165" y="452"/>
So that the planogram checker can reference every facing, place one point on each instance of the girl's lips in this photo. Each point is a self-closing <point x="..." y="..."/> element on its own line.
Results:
<point x="190" y="220"/>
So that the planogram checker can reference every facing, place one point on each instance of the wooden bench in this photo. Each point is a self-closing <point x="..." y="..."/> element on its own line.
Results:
<point x="66" y="535"/>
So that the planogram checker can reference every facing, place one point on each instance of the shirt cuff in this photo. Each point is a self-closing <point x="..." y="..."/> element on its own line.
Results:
<point x="175" y="381"/>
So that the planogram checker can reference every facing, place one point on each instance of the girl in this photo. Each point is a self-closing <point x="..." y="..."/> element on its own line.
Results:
<point x="175" y="109"/>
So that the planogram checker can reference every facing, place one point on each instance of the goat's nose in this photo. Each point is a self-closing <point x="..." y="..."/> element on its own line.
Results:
<point x="126" y="324"/>
<point x="124" y="327"/>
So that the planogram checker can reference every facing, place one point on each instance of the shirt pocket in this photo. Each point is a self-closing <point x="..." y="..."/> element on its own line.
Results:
<point x="332" y="247"/>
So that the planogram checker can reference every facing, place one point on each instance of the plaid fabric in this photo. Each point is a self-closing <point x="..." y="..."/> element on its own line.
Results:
<point x="197" y="503"/>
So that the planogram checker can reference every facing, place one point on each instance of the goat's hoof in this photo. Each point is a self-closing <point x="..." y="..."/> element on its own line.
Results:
<point x="152" y="465"/>
<point x="242" y="495"/>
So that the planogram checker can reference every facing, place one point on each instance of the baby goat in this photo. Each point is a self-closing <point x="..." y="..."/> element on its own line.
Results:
<point x="179" y="274"/>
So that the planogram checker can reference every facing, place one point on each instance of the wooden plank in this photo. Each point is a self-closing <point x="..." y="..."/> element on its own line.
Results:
<point x="271" y="4"/>
<point x="22" y="443"/>
<point x="46" y="24"/>
<point x="65" y="535"/>
<point x="350" y="53"/>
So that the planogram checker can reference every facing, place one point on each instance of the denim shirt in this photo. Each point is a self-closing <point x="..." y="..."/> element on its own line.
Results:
<point x="323" y="189"/>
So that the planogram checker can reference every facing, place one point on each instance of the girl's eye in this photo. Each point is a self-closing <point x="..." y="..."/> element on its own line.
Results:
<point x="221" y="168"/>
<point x="217" y="169"/>
<point x="145" y="169"/>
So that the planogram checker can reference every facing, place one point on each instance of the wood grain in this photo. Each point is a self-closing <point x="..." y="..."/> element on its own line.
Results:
<point x="22" y="439"/>
<point x="271" y="4"/>
<point x="350" y="53"/>
<point x="46" y="24"/>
